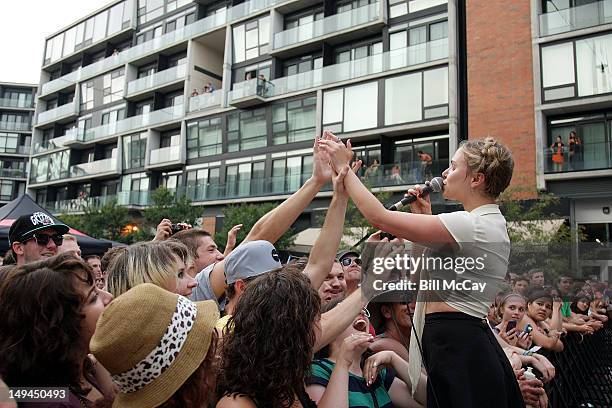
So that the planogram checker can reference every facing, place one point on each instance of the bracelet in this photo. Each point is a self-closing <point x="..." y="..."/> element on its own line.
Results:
<point x="528" y="353"/>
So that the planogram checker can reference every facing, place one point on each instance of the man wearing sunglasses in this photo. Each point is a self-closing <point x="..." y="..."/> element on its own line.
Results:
<point x="35" y="236"/>
<point x="351" y="263"/>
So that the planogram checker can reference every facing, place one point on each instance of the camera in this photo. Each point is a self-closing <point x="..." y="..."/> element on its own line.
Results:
<point x="384" y="235"/>
<point x="177" y="228"/>
<point x="528" y="329"/>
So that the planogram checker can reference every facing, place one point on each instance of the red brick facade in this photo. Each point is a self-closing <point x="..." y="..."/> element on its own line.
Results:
<point x="500" y="80"/>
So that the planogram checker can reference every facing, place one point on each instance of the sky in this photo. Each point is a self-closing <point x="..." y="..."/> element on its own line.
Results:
<point x="25" y="24"/>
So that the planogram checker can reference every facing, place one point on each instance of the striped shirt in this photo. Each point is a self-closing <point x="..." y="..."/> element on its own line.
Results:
<point x="359" y="394"/>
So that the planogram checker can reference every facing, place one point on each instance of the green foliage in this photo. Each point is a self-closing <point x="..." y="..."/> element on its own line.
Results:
<point x="248" y="215"/>
<point x="165" y="204"/>
<point x="107" y="222"/>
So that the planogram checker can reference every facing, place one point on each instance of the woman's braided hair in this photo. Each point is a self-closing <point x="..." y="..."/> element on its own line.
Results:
<point x="492" y="159"/>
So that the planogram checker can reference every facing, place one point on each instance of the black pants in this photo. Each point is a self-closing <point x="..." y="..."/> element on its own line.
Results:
<point x="465" y="364"/>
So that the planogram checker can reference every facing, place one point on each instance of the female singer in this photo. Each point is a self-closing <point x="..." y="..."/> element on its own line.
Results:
<point x="466" y="366"/>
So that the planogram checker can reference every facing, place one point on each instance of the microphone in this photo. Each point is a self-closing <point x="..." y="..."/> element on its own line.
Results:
<point x="436" y="185"/>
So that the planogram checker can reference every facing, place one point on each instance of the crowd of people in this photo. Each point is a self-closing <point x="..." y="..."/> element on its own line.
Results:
<point x="176" y="323"/>
<point x="208" y="88"/>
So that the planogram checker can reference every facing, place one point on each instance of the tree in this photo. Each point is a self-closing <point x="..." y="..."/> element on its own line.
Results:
<point x="248" y="215"/>
<point x="106" y="222"/>
<point x="540" y="237"/>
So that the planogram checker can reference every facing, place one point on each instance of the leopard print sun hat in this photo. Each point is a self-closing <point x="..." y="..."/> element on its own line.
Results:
<point x="151" y="341"/>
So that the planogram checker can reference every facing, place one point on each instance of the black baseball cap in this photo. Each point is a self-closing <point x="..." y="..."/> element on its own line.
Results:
<point x="26" y="225"/>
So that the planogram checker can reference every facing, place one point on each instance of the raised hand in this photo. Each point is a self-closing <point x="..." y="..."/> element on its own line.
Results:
<point x="321" y="170"/>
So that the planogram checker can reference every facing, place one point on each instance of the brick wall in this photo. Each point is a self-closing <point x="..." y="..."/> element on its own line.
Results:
<point x="500" y="80"/>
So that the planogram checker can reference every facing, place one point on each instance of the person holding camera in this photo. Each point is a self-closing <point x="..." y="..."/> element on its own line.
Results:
<point x="511" y="311"/>
<point x="540" y="307"/>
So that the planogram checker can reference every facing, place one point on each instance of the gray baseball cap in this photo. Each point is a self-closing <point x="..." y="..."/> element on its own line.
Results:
<point x="344" y="253"/>
<point x="251" y="259"/>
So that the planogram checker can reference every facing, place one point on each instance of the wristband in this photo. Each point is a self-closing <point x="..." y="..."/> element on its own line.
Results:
<point x="528" y="353"/>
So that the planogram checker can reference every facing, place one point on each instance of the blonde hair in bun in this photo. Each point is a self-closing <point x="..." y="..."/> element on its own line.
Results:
<point x="492" y="159"/>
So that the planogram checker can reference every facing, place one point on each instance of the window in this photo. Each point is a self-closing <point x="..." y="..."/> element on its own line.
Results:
<point x="203" y="183"/>
<point x="251" y="39"/>
<point x="294" y="121"/>
<point x="398" y="8"/>
<point x="403" y="99"/>
<point x="288" y="174"/>
<point x="244" y="179"/>
<point x="302" y="64"/>
<point x="204" y="138"/>
<point x="149" y="10"/>
<point x="113" y="86"/>
<point x="6" y="190"/>
<point x="181" y="21"/>
<point x="17" y="98"/>
<point x="358" y="51"/>
<point x="174" y="99"/>
<point x="113" y="116"/>
<point x="144" y="107"/>
<point x="171" y="181"/>
<point x="134" y="150"/>
<point x="246" y="130"/>
<point x="147" y="70"/>
<point x="592" y="75"/>
<point x="8" y="142"/>
<point x="87" y="95"/>
<point x="435" y="95"/>
<point x="54" y="166"/>
<point x="346" y="5"/>
<point x="251" y="72"/>
<point x="351" y="108"/>
<point x="149" y="35"/>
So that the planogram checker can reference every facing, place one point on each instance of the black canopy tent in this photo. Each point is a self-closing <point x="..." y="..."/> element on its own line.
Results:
<point x="25" y="205"/>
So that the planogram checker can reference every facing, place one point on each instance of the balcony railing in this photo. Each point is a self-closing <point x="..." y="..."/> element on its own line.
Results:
<point x="587" y="156"/>
<point x="79" y="204"/>
<point x="138" y="198"/>
<point x="13" y="173"/>
<point x="195" y="29"/>
<point x="390" y="60"/>
<point x="94" y="168"/>
<point x="406" y="173"/>
<point x="15" y="126"/>
<point x="132" y="123"/>
<point x="329" y="25"/>
<point x="57" y="142"/>
<point x="165" y="154"/>
<point x="15" y="150"/>
<point x="57" y="113"/>
<point x="160" y="78"/>
<point x="575" y="18"/>
<point x="15" y="103"/>
<point x="205" y="101"/>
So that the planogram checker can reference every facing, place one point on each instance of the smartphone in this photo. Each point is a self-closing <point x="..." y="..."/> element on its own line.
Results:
<point x="511" y="325"/>
<point x="528" y="328"/>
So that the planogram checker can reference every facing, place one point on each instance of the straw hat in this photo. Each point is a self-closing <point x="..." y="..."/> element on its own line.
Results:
<point x="151" y="341"/>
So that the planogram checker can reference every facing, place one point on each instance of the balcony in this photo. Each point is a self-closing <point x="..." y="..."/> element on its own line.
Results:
<point x="575" y="18"/>
<point x="13" y="173"/>
<point x="61" y="112"/>
<point x="161" y="78"/>
<point x="588" y="156"/>
<point x="334" y="25"/>
<point x="23" y="150"/>
<point x="131" y="124"/>
<point x="195" y="29"/>
<point x="165" y="155"/>
<point x="255" y="91"/>
<point x="94" y="168"/>
<point x="57" y="142"/>
<point x="134" y="198"/>
<point x="16" y="103"/>
<point x="16" y="126"/>
<point x="77" y="205"/>
<point x="205" y="101"/>
<point x="389" y="176"/>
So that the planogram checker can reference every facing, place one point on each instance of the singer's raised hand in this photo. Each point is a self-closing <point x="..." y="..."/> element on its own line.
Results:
<point x="321" y="171"/>
<point x="422" y="205"/>
<point x="339" y="154"/>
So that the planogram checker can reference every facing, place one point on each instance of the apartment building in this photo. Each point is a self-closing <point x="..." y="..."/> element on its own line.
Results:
<point x="221" y="101"/>
<point x="16" y="117"/>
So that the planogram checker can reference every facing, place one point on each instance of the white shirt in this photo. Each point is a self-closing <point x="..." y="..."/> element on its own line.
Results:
<point x="480" y="233"/>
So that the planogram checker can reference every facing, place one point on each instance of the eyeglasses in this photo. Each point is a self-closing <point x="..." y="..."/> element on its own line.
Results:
<point x="365" y="312"/>
<point x="43" y="239"/>
<point x="347" y="261"/>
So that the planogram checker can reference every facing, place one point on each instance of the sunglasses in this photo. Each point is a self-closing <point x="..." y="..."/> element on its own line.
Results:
<point x="365" y="312"/>
<point x="347" y="261"/>
<point x="43" y="239"/>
